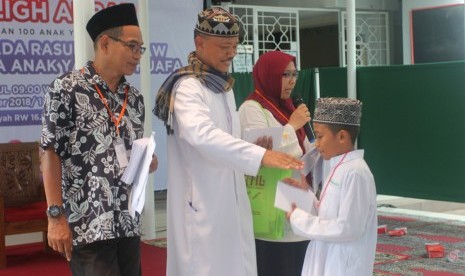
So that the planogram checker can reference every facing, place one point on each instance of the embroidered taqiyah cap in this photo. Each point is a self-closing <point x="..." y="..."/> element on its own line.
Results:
<point x="340" y="111"/>
<point x="218" y="22"/>
<point x="111" y="17"/>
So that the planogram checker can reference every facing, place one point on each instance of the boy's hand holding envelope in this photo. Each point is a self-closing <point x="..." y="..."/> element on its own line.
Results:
<point x="292" y="193"/>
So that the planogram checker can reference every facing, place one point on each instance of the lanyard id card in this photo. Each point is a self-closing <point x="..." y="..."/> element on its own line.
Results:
<point x="121" y="153"/>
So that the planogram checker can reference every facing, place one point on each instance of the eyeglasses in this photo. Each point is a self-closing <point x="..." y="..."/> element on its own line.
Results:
<point x="289" y="74"/>
<point x="135" y="48"/>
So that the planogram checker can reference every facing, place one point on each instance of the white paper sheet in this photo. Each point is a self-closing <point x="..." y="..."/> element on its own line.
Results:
<point x="139" y="163"/>
<point x="287" y="194"/>
<point x="313" y="163"/>
<point x="252" y="134"/>
<point x="310" y="159"/>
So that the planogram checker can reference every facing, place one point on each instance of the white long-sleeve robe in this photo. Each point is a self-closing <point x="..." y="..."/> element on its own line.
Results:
<point x="210" y="230"/>
<point x="345" y="231"/>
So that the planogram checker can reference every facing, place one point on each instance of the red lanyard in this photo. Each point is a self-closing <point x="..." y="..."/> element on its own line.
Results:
<point x="329" y="180"/>
<point x="121" y="114"/>
<point x="272" y="105"/>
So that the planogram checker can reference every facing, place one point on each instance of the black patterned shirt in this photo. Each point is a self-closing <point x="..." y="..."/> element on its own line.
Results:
<point x="78" y="126"/>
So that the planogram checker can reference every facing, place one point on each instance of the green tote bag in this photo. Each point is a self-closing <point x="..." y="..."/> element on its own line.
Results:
<point x="268" y="221"/>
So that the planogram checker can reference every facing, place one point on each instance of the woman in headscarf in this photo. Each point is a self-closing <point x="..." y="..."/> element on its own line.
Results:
<point x="270" y="105"/>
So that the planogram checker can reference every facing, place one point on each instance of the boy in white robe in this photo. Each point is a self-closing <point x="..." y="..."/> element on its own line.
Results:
<point x="343" y="233"/>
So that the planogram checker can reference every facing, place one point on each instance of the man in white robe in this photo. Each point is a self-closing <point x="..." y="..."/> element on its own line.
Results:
<point x="210" y="228"/>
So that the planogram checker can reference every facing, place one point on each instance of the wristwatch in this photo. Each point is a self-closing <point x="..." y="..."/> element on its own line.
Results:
<point x="54" y="211"/>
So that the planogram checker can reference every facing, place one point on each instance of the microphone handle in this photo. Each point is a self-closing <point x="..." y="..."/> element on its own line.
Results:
<point x="309" y="131"/>
<point x="307" y="127"/>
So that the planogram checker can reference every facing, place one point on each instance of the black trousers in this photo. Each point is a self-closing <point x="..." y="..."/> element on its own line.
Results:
<point x="116" y="257"/>
<point x="280" y="258"/>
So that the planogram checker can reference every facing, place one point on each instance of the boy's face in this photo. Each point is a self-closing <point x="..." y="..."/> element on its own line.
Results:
<point x="328" y="143"/>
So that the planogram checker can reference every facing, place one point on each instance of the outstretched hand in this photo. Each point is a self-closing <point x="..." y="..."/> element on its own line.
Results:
<point x="281" y="160"/>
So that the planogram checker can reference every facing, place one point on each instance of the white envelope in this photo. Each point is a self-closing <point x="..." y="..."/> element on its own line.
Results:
<point x="252" y="134"/>
<point x="287" y="194"/>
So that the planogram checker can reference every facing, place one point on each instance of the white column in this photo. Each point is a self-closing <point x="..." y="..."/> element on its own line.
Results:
<point x="351" y="55"/>
<point x="148" y="215"/>
<point x="317" y="83"/>
<point x="83" y="45"/>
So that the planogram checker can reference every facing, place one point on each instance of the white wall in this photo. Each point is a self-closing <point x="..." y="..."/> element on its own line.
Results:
<point x="407" y="7"/>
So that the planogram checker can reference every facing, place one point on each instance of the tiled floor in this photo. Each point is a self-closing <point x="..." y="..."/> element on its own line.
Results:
<point x="423" y="205"/>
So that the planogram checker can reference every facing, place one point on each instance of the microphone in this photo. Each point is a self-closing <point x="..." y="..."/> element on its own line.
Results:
<point x="297" y="100"/>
